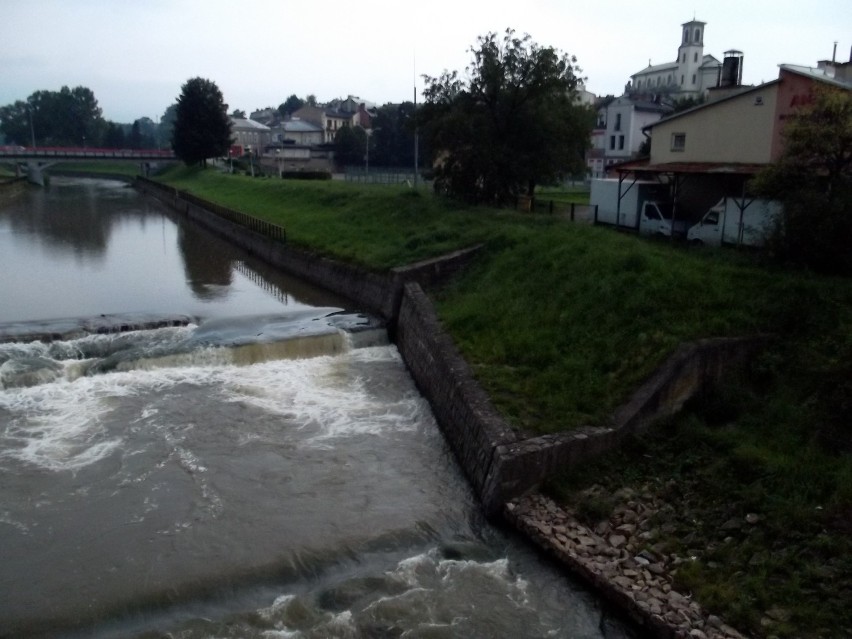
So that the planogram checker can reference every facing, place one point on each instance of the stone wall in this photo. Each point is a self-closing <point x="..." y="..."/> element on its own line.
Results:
<point x="463" y="410"/>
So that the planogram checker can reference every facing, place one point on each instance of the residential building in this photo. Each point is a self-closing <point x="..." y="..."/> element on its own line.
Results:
<point x="268" y="116"/>
<point x="250" y="134"/>
<point x="298" y="132"/>
<point x="617" y="135"/>
<point x="329" y="120"/>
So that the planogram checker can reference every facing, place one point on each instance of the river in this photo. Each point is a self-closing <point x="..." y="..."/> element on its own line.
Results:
<point x="263" y="468"/>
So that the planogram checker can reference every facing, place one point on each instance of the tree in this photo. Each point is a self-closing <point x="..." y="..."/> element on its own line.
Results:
<point x="167" y="125"/>
<point x="813" y="180"/>
<point x="290" y="105"/>
<point x="202" y="128"/>
<point x="514" y="124"/>
<point x="114" y="137"/>
<point x="350" y="145"/>
<point x="68" y="117"/>
<point x="394" y="136"/>
<point x="238" y="114"/>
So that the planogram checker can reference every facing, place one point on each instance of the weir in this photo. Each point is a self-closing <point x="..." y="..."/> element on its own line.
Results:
<point x="178" y="488"/>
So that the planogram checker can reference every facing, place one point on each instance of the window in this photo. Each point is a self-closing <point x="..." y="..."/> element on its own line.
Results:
<point x="621" y="142"/>
<point x="685" y="36"/>
<point x="683" y="58"/>
<point x="681" y="80"/>
<point x="712" y="217"/>
<point x="612" y="143"/>
<point x="694" y="77"/>
<point x="698" y="35"/>
<point x="678" y="141"/>
<point x="651" y="211"/>
<point x="695" y="57"/>
<point x="618" y="122"/>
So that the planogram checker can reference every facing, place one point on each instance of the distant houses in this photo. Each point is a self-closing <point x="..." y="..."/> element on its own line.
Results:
<point x="303" y="140"/>
<point x="695" y="114"/>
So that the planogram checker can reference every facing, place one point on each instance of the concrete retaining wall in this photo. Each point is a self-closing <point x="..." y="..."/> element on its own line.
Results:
<point x="499" y="464"/>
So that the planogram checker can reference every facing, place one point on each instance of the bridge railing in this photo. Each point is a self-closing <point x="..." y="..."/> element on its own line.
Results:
<point x="270" y="230"/>
<point x="57" y="152"/>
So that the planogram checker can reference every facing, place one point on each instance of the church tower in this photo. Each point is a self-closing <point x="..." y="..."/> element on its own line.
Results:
<point x="690" y="57"/>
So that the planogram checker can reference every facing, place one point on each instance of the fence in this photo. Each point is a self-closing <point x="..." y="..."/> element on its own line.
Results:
<point x="272" y="231"/>
<point x="569" y="210"/>
<point x="379" y="175"/>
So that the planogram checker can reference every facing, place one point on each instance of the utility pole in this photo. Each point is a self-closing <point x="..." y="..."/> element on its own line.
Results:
<point x="416" y="141"/>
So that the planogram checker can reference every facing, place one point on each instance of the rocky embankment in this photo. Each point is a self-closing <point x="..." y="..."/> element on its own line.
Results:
<point x="620" y="560"/>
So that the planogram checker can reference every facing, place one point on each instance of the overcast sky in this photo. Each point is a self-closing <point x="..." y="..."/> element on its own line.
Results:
<point x="135" y="54"/>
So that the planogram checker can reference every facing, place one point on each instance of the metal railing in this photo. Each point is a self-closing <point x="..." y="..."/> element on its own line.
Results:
<point x="268" y="229"/>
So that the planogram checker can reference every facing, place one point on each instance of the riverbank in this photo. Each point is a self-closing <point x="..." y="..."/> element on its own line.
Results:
<point x="560" y="323"/>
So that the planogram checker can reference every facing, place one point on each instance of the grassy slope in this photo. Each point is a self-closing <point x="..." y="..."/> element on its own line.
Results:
<point x="560" y="323"/>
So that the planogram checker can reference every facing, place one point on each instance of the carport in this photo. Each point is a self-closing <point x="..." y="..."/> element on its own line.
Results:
<point x="694" y="186"/>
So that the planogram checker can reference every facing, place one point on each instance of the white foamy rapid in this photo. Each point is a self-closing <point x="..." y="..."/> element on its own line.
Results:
<point x="67" y="405"/>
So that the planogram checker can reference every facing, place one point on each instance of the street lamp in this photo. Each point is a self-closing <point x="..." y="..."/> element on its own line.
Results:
<point x="369" y="132"/>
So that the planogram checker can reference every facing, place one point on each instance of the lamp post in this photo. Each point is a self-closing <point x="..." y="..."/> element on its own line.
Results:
<point x="367" y="154"/>
<point x="416" y="140"/>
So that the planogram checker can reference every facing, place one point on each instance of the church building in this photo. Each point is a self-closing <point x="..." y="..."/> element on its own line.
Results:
<point x="691" y="75"/>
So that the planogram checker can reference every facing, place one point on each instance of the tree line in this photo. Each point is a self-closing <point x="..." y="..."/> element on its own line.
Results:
<point x="71" y="117"/>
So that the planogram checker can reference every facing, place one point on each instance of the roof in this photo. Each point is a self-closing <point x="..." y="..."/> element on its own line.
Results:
<point x="300" y="126"/>
<point x="243" y="123"/>
<point x="816" y="74"/>
<point x="656" y="68"/>
<point x="729" y="168"/>
<point x="710" y="61"/>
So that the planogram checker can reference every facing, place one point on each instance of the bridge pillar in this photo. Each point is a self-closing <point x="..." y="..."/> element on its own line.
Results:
<point x="34" y="173"/>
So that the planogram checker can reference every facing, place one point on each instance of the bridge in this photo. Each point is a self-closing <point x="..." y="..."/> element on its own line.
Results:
<point x="82" y="154"/>
<point x="39" y="158"/>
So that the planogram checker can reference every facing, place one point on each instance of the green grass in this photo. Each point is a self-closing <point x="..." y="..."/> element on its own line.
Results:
<point x="562" y="196"/>
<point x="561" y="322"/>
<point x="130" y="169"/>
<point x="796" y="559"/>
<point x="376" y="226"/>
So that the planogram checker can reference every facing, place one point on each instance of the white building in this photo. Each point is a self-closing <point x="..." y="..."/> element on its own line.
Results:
<point x="691" y="75"/>
<point x="617" y="136"/>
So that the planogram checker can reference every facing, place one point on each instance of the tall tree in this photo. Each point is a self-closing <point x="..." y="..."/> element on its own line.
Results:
<point x="202" y="128"/>
<point x="514" y="124"/>
<point x="813" y="180"/>
<point x="166" y="126"/>
<point x="350" y="145"/>
<point x="394" y="136"/>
